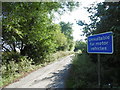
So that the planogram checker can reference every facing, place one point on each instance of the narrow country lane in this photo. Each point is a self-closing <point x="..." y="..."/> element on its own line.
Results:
<point x="51" y="76"/>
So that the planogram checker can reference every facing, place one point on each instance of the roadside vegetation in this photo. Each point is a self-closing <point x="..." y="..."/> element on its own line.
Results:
<point x="12" y="70"/>
<point x="105" y="17"/>
<point x="30" y="37"/>
<point x="83" y="73"/>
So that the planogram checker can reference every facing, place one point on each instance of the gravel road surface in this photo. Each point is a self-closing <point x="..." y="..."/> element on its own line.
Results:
<point x="51" y="76"/>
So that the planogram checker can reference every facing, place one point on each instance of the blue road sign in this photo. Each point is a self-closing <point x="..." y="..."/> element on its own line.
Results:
<point x="100" y="43"/>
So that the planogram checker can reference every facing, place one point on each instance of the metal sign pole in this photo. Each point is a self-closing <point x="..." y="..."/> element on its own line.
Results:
<point x="99" y="81"/>
<point x="100" y="44"/>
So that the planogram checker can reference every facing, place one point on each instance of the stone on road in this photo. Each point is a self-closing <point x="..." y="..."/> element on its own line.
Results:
<point x="51" y="76"/>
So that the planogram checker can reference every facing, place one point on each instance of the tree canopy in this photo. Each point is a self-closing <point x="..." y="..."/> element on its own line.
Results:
<point x="66" y="28"/>
<point x="29" y="27"/>
<point x="105" y="17"/>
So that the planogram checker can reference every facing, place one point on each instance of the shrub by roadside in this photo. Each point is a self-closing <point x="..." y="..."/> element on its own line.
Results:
<point x="15" y="66"/>
<point x="83" y="73"/>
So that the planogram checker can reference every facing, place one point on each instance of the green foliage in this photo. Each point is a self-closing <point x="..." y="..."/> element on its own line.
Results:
<point x="55" y="56"/>
<point x="59" y="37"/>
<point x="83" y="73"/>
<point x="61" y="54"/>
<point x="13" y="65"/>
<point x="10" y="56"/>
<point x="105" y="17"/>
<point x="15" y="62"/>
<point x="29" y="27"/>
<point x="66" y="28"/>
<point x="11" y="70"/>
<point x="80" y="46"/>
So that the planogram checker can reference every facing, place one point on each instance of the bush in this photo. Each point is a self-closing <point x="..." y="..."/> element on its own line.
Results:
<point x="83" y="73"/>
<point x="10" y="56"/>
<point x="61" y="54"/>
<point x="13" y="65"/>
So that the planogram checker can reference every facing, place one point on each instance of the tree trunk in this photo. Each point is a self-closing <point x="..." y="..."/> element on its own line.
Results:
<point x="14" y="49"/>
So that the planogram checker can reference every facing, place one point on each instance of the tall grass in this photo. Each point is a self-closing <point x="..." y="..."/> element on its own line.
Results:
<point x="12" y="70"/>
<point x="61" y="54"/>
<point x="15" y="66"/>
<point x="83" y="73"/>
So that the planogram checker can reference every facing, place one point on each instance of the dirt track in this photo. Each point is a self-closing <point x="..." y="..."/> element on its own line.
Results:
<point x="51" y="76"/>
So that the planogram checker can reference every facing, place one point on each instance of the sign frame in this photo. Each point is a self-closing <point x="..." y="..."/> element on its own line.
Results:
<point x="101" y="52"/>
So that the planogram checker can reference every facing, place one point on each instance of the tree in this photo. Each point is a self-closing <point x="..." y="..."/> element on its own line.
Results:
<point x="105" y="17"/>
<point x="29" y="27"/>
<point x="80" y="45"/>
<point x="66" y="28"/>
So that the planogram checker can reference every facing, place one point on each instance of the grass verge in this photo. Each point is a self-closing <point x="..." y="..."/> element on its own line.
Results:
<point x="83" y="73"/>
<point x="12" y="75"/>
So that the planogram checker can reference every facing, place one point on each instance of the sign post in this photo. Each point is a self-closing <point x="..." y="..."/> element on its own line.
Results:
<point x="100" y="44"/>
<point x="99" y="71"/>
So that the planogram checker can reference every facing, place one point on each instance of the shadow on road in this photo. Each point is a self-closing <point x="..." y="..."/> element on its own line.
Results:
<point x="59" y="78"/>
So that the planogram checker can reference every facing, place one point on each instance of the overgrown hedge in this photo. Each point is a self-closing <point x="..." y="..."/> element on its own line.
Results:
<point x="14" y="65"/>
<point x="83" y="73"/>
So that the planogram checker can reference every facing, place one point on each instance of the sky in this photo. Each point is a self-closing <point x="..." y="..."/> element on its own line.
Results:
<point x="78" y="14"/>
